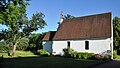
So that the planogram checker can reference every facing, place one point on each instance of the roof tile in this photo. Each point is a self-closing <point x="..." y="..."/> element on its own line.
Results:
<point x="92" y="26"/>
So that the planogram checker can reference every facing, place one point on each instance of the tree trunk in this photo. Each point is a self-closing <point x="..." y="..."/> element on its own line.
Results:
<point x="14" y="48"/>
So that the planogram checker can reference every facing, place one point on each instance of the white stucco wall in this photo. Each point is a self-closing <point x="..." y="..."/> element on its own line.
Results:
<point x="58" y="47"/>
<point x="95" y="45"/>
<point x="47" y="45"/>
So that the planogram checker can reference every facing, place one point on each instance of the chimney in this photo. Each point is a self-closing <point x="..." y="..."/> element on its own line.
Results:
<point x="61" y="20"/>
<point x="61" y="17"/>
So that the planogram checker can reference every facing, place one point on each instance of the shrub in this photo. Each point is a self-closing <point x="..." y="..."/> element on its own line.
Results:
<point x="114" y="54"/>
<point x="43" y="52"/>
<point x="79" y="56"/>
<point x="91" y="55"/>
<point x="74" y="55"/>
<point x="68" y="52"/>
<point x="82" y="55"/>
<point x="85" y="55"/>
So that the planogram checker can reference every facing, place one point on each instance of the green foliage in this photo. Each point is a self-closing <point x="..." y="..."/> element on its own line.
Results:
<point x="83" y="55"/>
<point x="3" y="47"/>
<point x="22" y="44"/>
<point x="18" y="54"/>
<point x="43" y="52"/>
<point x="114" y="54"/>
<point x="91" y="55"/>
<point x="35" y="41"/>
<point x="75" y="55"/>
<point x="70" y="53"/>
<point x="13" y="16"/>
<point x="116" y="33"/>
<point x="67" y="52"/>
<point x="68" y="16"/>
<point x="24" y="53"/>
<point x="36" y="22"/>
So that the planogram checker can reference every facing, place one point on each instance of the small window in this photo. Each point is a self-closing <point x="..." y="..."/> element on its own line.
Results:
<point x="86" y="45"/>
<point x="68" y="44"/>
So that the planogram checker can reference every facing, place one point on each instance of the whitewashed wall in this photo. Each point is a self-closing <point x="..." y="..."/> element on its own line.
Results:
<point x="47" y="45"/>
<point x="95" y="46"/>
<point x="58" y="47"/>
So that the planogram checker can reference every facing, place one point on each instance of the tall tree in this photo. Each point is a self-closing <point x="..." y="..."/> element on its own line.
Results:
<point x="68" y="16"/>
<point x="116" y="33"/>
<point x="35" y="41"/>
<point x="13" y="15"/>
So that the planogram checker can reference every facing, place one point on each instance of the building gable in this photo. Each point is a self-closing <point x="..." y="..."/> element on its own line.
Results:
<point x="49" y="36"/>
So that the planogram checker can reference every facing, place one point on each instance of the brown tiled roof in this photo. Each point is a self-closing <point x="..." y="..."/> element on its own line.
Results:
<point x="92" y="26"/>
<point x="49" y="36"/>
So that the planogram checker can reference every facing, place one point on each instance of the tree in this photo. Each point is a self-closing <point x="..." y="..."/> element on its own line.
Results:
<point x="68" y="16"/>
<point x="3" y="47"/>
<point x="116" y="33"/>
<point x="22" y="44"/>
<point x="35" y="41"/>
<point x="13" y="15"/>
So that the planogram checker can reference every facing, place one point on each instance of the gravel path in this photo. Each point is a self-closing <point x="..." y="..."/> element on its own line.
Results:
<point x="111" y="64"/>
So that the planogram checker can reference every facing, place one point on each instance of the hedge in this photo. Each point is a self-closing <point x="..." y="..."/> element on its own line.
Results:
<point x="70" y="53"/>
<point x="43" y="52"/>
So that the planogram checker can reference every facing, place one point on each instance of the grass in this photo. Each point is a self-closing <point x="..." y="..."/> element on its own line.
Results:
<point x="47" y="62"/>
<point x="18" y="54"/>
<point x="26" y="59"/>
<point x="118" y="57"/>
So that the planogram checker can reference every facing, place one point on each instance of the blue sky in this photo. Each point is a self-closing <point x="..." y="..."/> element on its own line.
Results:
<point x="53" y="8"/>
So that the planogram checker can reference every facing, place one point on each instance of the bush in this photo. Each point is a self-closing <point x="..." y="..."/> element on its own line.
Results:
<point x="114" y="54"/>
<point x="85" y="55"/>
<point x="102" y="57"/>
<point x="43" y="52"/>
<point x="68" y="52"/>
<point x="90" y="55"/>
<point x="79" y="55"/>
<point x="74" y="55"/>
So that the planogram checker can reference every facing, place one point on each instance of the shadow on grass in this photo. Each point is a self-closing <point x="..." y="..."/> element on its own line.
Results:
<point x="47" y="62"/>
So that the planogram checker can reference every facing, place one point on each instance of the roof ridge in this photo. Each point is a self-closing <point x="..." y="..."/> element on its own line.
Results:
<point x="88" y="15"/>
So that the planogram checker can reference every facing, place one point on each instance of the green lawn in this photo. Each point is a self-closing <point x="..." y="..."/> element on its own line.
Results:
<point x="118" y="57"/>
<point x="47" y="62"/>
<point x="26" y="59"/>
<point x="18" y="54"/>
